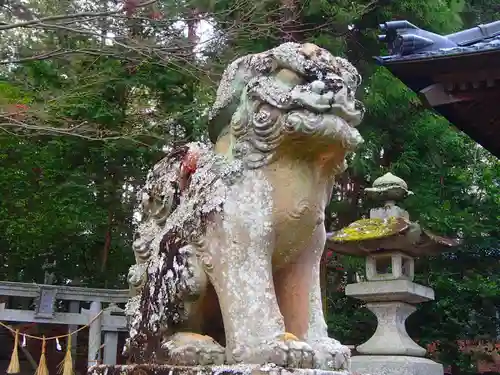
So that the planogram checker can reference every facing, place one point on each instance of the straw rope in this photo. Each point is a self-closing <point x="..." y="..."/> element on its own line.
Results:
<point x="65" y="367"/>
<point x="41" y="338"/>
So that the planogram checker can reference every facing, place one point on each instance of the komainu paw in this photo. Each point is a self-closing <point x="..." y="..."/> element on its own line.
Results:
<point x="285" y="350"/>
<point x="191" y="349"/>
<point x="329" y="354"/>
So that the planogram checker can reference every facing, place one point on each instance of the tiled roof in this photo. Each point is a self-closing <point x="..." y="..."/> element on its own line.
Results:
<point x="483" y="46"/>
<point x="465" y="63"/>
<point x="408" y="42"/>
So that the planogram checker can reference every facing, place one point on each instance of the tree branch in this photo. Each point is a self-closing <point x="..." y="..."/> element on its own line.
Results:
<point x="69" y="16"/>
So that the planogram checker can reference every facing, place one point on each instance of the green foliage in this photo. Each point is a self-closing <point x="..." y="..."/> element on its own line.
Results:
<point x="69" y="201"/>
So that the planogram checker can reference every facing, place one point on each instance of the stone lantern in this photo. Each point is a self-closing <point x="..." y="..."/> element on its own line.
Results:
<point x="390" y="242"/>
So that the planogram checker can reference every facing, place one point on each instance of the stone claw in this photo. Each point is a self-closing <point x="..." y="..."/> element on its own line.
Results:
<point x="329" y="354"/>
<point x="300" y="355"/>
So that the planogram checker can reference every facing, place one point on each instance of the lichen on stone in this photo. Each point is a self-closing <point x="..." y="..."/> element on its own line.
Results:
<point x="167" y="248"/>
<point x="241" y="369"/>
<point x="367" y="229"/>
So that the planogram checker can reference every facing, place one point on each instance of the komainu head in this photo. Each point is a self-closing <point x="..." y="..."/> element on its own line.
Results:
<point x="293" y="98"/>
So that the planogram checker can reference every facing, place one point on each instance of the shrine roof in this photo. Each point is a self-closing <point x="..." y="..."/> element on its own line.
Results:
<point x="457" y="75"/>
<point x="407" y="42"/>
<point x="487" y="45"/>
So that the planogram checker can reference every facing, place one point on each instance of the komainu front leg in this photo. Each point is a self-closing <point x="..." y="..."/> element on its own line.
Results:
<point x="254" y="326"/>
<point x="238" y="259"/>
<point x="329" y="353"/>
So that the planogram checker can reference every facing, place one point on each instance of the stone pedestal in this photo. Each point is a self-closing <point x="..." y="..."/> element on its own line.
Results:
<point x="391" y="351"/>
<point x="207" y="370"/>
<point x="395" y="365"/>
<point x="392" y="302"/>
<point x="391" y="337"/>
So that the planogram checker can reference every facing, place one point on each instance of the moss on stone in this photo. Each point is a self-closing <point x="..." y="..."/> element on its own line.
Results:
<point x="367" y="229"/>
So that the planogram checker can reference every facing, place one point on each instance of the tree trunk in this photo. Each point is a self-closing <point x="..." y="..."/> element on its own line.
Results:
<point x="107" y="241"/>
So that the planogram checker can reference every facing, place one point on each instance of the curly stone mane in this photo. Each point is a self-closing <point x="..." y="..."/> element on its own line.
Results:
<point x="285" y="91"/>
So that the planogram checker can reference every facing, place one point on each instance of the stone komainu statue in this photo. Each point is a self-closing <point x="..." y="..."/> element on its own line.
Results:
<point x="228" y="250"/>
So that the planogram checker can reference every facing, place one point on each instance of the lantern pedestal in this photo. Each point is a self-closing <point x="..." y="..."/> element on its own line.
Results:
<point x="391" y="351"/>
<point x="394" y="365"/>
<point x="392" y="302"/>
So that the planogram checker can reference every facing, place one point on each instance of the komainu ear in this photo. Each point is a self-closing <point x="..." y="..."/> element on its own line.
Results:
<point x="234" y="80"/>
